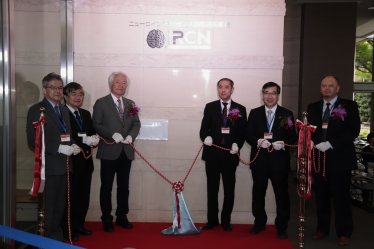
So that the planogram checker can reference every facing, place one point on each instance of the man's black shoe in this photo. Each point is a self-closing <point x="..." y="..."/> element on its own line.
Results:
<point x="74" y="237"/>
<point x="256" y="229"/>
<point x="227" y="227"/>
<point x="108" y="226"/>
<point x="124" y="223"/>
<point x="83" y="231"/>
<point x="209" y="226"/>
<point x="283" y="235"/>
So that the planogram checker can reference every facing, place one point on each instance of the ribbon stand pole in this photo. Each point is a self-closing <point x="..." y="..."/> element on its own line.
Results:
<point x="302" y="177"/>
<point x="41" y="196"/>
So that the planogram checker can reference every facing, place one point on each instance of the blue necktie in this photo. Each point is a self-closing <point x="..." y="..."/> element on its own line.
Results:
<point x="269" y="119"/>
<point x="57" y="110"/>
<point x="326" y="114"/>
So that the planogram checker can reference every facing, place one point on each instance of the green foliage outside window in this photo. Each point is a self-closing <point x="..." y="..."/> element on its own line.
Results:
<point x="364" y="73"/>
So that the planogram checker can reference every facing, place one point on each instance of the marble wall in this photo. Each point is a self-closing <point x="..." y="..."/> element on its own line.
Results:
<point x="241" y="40"/>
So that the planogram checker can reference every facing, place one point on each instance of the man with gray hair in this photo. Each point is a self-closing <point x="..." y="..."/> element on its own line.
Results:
<point x="59" y="146"/>
<point x="116" y="120"/>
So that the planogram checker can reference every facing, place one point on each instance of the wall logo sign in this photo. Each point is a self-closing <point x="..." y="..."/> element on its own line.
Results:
<point x="180" y="35"/>
<point x="156" y="38"/>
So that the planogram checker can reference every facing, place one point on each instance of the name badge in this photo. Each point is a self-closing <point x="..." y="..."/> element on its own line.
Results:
<point x="325" y="125"/>
<point x="65" y="138"/>
<point x="82" y="134"/>
<point x="268" y="135"/>
<point x="225" y="130"/>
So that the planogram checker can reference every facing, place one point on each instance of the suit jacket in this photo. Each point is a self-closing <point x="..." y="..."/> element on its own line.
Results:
<point x="257" y="126"/>
<point x="340" y="134"/>
<point x="80" y="164"/>
<point x="106" y="122"/>
<point x="211" y="126"/>
<point x="55" y="162"/>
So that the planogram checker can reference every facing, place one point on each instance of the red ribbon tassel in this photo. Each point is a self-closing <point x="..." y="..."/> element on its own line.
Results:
<point x="178" y="187"/>
<point x="37" y="157"/>
<point x="308" y="129"/>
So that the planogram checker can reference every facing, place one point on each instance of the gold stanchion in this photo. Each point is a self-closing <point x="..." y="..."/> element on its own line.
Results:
<point x="303" y="178"/>
<point x="41" y="196"/>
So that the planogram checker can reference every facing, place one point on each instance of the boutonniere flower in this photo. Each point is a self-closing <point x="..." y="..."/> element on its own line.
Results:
<point x="234" y="114"/>
<point x="338" y="113"/>
<point x="286" y="122"/>
<point x="132" y="109"/>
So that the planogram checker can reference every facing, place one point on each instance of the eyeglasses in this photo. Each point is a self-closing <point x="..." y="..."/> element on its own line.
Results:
<point x="54" y="88"/>
<point x="76" y="94"/>
<point x="271" y="94"/>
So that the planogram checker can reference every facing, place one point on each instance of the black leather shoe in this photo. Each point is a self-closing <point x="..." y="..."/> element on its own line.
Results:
<point x="124" y="223"/>
<point x="256" y="229"/>
<point x="83" y="231"/>
<point x="209" y="226"/>
<point x="283" y="235"/>
<point x="227" y="227"/>
<point x="74" y="237"/>
<point x="108" y="226"/>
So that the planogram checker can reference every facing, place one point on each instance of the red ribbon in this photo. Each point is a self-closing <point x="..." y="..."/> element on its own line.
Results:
<point x="37" y="157"/>
<point x="178" y="187"/>
<point x="308" y="129"/>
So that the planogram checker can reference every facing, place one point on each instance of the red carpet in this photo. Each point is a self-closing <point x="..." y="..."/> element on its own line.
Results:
<point x="148" y="235"/>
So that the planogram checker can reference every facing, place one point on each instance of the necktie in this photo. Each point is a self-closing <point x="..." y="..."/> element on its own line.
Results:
<point x="224" y="118"/>
<point x="325" y="119"/>
<point x="326" y="114"/>
<point x="120" y="109"/>
<point x="269" y="119"/>
<point x="224" y="112"/>
<point x="57" y="111"/>
<point x="78" y="117"/>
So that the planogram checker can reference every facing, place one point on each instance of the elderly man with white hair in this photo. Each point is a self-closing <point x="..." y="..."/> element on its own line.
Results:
<point x="116" y="120"/>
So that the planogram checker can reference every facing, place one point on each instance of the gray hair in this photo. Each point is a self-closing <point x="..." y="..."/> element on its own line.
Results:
<point x="111" y="77"/>
<point x="49" y="77"/>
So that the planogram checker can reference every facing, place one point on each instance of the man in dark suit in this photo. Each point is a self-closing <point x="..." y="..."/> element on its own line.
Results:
<point x="338" y="124"/>
<point x="115" y="119"/>
<point x="220" y="127"/>
<point x="58" y="145"/>
<point x="269" y="126"/>
<point x="84" y="134"/>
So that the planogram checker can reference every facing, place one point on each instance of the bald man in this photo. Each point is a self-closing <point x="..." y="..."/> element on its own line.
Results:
<point x="338" y="124"/>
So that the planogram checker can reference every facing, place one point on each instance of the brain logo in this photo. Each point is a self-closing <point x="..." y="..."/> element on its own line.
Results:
<point x="155" y="38"/>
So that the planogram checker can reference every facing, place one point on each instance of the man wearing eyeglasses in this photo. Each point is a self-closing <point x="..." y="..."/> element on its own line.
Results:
<point x="85" y="136"/>
<point x="58" y="146"/>
<point x="269" y="128"/>
<point x="116" y="123"/>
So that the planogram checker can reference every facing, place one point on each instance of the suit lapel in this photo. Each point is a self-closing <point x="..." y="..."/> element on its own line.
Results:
<point x="279" y="115"/>
<point x="125" y="105"/>
<point x="51" y="114"/>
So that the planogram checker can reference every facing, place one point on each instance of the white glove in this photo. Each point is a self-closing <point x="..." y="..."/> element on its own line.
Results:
<point x="87" y="140"/>
<point x="95" y="140"/>
<point x="278" y="145"/>
<point x="65" y="149"/>
<point x="117" y="137"/>
<point x="264" y="143"/>
<point x="311" y="144"/>
<point x="76" y="148"/>
<point x="323" y="146"/>
<point x="128" y="140"/>
<point x="208" y="141"/>
<point x="234" y="148"/>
